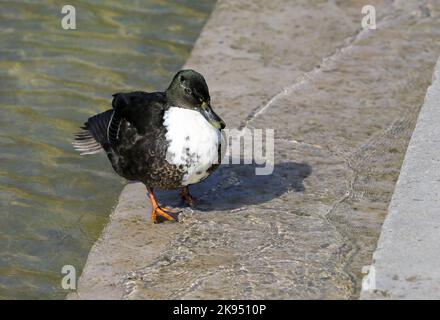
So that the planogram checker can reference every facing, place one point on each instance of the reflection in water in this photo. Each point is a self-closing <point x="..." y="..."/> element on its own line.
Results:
<point x="53" y="202"/>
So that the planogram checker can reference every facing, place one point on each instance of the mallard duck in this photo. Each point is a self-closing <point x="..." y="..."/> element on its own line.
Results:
<point x="166" y="140"/>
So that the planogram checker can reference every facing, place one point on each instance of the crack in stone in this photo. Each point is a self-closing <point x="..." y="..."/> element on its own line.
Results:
<point x="310" y="75"/>
<point x="307" y="76"/>
<point x="293" y="141"/>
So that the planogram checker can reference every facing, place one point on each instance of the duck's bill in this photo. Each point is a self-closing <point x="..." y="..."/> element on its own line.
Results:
<point x="212" y="117"/>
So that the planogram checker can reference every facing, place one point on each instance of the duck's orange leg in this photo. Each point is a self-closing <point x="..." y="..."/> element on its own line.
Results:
<point x="160" y="215"/>
<point x="187" y="197"/>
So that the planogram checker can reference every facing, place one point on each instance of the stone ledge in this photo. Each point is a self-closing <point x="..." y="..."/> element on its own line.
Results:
<point x="310" y="72"/>
<point x="406" y="263"/>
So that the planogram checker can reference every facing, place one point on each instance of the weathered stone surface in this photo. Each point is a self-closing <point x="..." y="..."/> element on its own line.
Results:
<point x="406" y="261"/>
<point x="343" y="102"/>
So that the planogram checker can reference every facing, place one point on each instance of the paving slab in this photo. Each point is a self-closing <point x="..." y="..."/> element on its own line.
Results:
<point x="407" y="259"/>
<point x="343" y="102"/>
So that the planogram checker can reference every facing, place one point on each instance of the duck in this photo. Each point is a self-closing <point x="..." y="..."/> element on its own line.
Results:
<point x="166" y="140"/>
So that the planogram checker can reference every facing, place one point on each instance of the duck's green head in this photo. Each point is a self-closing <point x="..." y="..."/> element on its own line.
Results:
<point x="189" y="90"/>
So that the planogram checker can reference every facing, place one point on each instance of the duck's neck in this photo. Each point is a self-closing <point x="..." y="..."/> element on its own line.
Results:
<point x="172" y="95"/>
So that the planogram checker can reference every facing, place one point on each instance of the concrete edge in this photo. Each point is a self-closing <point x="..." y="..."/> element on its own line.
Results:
<point x="407" y="258"/>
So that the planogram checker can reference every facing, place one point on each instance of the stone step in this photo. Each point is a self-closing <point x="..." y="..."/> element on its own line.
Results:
<point x="343" y="102"/>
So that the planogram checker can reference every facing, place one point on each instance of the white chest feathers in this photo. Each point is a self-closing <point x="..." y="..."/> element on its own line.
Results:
<point x="193" y="143"/>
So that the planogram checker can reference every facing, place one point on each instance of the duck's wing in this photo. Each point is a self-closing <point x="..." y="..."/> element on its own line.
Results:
<point x="144" y="111"/>
<point x="94" y="134"/>
<point x="141" y="110"/>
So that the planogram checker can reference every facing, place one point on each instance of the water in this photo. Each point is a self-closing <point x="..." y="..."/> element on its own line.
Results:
<point x="54" y="203"/>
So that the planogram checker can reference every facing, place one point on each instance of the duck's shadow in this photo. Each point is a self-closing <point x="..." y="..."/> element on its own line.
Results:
<point x="236" y="185"/>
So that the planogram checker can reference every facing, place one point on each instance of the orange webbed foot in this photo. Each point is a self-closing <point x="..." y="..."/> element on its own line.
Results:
<point x="161" y="214"/>
<point x="164" y="214"/>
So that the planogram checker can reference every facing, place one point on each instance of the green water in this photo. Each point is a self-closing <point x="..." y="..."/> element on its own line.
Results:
<point x="53" y="202"/>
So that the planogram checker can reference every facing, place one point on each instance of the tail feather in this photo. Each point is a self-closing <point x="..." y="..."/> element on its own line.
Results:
<point x="94" y="134"/>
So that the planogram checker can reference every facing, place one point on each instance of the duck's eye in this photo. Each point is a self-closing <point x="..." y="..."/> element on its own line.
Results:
<point x="188" y="91"/>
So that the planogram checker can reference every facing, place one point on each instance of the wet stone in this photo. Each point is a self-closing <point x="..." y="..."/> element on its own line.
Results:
<point x="341" y="131"/>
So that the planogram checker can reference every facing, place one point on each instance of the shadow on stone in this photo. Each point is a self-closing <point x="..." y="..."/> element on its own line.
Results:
<point x="234" y="186"/>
